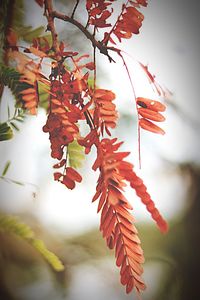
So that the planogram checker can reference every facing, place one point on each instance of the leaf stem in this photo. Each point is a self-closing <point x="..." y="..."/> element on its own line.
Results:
<point x="138" y="117"/>
<point x="75" y="7"/>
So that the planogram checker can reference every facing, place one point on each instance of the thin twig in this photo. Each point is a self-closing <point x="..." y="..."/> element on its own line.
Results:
<point x="7" y="21"/>
<point x="48" y="12"/>
<point x="134" y="93"/>
<point x="102" y="48"/>
<point x="75" y="7"/>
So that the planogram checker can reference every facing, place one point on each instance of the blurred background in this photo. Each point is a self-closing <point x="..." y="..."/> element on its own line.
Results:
<point x="169" y="42"/>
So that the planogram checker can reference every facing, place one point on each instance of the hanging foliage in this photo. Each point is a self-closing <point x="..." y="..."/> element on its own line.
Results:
<point x="73" y="99"/>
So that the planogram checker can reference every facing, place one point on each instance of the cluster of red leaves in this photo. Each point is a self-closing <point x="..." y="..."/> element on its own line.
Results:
<point x="116" y="220"/>
<point x="138" y="185"/>
<point x="98" y="12"/>
<point x="41" y="43"/>
<point x="73" y="100"/>
<point x="128" y="22"/>
<point x="150" y="110"/>
<point x="160" y="90"/>
<point x="105" y="114"/>
<point x="69" y="177"/>
<point x="29" y="96"/>
<point x="69" y="89"/>
<point x="61" y="125"/>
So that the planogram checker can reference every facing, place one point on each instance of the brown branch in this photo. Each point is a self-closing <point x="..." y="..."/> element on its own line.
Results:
<point x="48" y="12"/>
<point x="52" y="14"/>
<point x="6" y="15"/>
<point x="102" y="48"/>
<point x="75" y="7"/>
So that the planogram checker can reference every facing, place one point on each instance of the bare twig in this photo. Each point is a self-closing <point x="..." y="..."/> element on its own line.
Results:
<point x="102" y="48"/>
<point x="75" y="7"/>
<point x="51" y="14"/>
<point x="48" y="12"/>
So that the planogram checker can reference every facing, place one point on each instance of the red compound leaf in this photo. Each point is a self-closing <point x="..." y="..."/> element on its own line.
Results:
<point x="98" y="13"/>
<point x="151" y="104"/>
<point x="160" y="90"/>
<point x="74" y="99"/>
<point x="126" y="169"/>
<point x="116" y="221"/>
<point x="150" y="110"/>
<point x="105" y="109"/>
<point x="73" y="174"/>
<point x="70" y="177"/>
<point x="128" y="23"/>
<point x="30" y="98"/>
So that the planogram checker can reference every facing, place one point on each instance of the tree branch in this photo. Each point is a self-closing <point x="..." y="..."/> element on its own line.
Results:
<point x="102" y="48"/>
<point x="50" y="19"/>
<point x="75" y="7"/>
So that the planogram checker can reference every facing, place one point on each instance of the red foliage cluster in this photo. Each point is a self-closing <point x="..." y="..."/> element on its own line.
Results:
<point x="41" y="43"/>
<point x="71" y="100"/>
<point x="160" y="90"/>
<point x="150" y="110"/>
<point x="30" y="98"/>
<point x="69" y="177"/>
<point x="61" y="123"/>
<point x="128" y="22"/>
<point x="98" y="12"/>
<point x="105" y="114"/>
<point x="116" y="221"/>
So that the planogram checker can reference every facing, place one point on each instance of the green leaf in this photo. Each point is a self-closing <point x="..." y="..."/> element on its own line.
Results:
<point x="11" y="78"/>
<point x="31" y="34"/>
<point x="5" y="170"/>
<point x="8" y="110"/>
<point x="52" y="259"/>
<point x="76" y="155"/>
<point x="11" y="225"/>
<point x="43" y="95"/>
<point x="6" y="132"/>
<point x="91" y="82"/>
<point x="14" y="126"/>
<point x="17" y="182"/>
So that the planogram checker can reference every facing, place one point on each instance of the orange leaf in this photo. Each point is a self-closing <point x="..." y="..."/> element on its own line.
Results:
<point x="11" y="37"/>
<point x="28" y="97"/>
<point x="37" y="52"/>
<point x="151" y="114"/>
<point x="69" y="183"/>
<point x="28" y="91"/>
<point x="130" y="285"/>
<point x="107" y="231"/>
<point x="30" y="104"/>
<point x="150" y="104"/>
<point x="147" y="125"/>
<point x="73" y="174"/>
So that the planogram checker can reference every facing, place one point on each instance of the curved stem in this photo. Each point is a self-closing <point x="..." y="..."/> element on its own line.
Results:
<point x="75" y="7"/>
<point x="48" y="13"/>
<point x="134" y="93"/>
